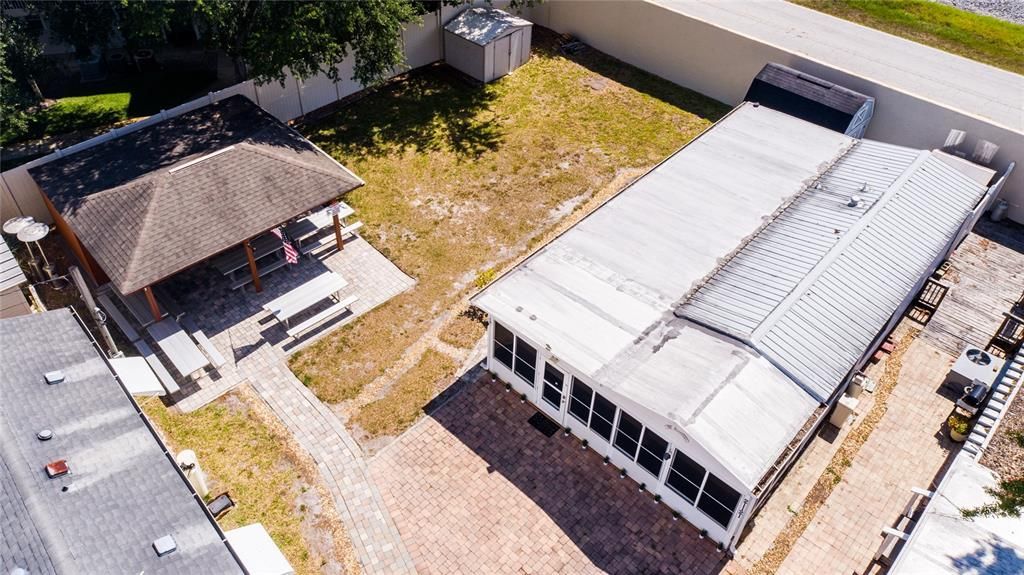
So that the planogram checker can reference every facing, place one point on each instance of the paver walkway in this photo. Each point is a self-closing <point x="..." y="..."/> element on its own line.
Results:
<point x="475" y="489"/>
<point x="908" y="448"/>
<point x="257" y="350"/>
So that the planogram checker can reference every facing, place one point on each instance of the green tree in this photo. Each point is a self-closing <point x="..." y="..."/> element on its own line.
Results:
<point x="308" y="37"/>
<point x="20" y="62"/>
<point x="83" y="24"/>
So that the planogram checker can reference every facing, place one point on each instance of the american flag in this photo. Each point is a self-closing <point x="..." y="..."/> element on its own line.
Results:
<point x="291" y="255"/>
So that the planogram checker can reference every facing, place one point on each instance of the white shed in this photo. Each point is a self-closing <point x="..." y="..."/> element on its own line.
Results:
<point x="487" y="43"/>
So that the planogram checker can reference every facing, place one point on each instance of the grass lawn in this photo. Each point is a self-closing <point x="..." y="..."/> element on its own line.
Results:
<point x="463" y="179"/>
<point x="975" y="36"/>
<point x="245" y="451"/>
<point x="98" y="106"/>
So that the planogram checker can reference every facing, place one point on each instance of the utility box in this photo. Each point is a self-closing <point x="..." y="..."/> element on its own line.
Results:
<point x="844" y="409"/>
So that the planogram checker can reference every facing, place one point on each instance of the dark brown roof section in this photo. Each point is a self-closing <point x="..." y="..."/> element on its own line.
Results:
<point x="154" y="202"/>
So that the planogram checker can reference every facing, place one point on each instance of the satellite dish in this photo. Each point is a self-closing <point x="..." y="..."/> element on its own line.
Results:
<point x="33" y="232"/>
<point x="15" y="225"/>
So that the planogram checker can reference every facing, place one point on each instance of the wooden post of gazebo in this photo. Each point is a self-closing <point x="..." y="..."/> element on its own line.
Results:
<point x="154" y="308"/>
<point x="252" y="267"/>
<point x="337" y="232"/>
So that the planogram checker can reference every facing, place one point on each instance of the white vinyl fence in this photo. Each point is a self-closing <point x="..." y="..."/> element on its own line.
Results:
<point x="423" y="45"/>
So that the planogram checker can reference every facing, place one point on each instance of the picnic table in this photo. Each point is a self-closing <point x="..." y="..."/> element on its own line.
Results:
<point x="178" y="346"/>
<point x="300" y="299"/>
<point x="268" y="251"/>
<point x="315" y="231"/>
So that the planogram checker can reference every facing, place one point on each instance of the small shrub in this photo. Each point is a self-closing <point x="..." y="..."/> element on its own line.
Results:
<point x="485" y="277"/>
<point x="958" y="423"/>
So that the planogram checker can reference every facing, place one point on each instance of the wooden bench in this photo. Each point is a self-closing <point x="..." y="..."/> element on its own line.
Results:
<point x="235" y="259"/>
<point x="328" y="240"/>
<point x="322" y="316"/>
<point x="261" y="270"/>
<point x="158" y="367"/>
<point x="120" y="321"/>
<point x="216" y="359"/>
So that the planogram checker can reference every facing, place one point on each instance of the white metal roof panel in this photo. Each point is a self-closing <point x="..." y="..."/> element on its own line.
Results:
<point x="758" y="278"/>
<point x="484" y="25"/>
<point x="600" y="285"/>
<point x="824" y="328"/>
<point x="599" y="295"/>
<point x="257" y="551"/>
<point x="722" y="394"/>
<point x="136" y="376"/>
<point x="10" y="272"/>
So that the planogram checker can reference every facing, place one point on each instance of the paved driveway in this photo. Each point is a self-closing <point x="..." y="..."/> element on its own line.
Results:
<point x="476" y="489"/>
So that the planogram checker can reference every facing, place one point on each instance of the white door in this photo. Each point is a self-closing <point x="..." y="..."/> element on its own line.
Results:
<point x="501" y="56"/>
<point x="515" y="50"/>
<point x="554" y="391"/>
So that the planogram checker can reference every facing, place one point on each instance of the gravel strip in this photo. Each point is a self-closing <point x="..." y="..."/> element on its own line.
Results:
<point x="1009" y="10"/>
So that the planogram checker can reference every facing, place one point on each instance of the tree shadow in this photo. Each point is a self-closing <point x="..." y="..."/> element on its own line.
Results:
<point x="429" y="109"/>
<point x="991" y="556"/>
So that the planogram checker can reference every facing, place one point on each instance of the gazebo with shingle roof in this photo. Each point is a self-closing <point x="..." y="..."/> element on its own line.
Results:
<point x="145" y="206"/>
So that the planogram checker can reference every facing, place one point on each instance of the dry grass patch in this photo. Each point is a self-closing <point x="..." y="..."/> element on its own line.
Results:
<point x="464" y="330"/>
<point x="461" y="177"/>
<point x="246" y="451"/>
<point x="401" y="408"/>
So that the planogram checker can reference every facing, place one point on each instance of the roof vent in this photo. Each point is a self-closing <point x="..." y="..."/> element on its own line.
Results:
<point x="44" y="435"/>
<point x="54" y="377"/>
<point x="854" y="201"/>
<point x="164" y="546"/>
<point x="58" y="468"/>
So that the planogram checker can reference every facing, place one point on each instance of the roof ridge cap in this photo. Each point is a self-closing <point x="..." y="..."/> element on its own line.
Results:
<point x="765" y="224"/>
<point x="248" y="146"/>
<point x="154" y="192"/>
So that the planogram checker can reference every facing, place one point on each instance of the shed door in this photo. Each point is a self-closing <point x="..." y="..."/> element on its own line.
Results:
<point x="501" y="56"/>
<point x="515" y="50"/>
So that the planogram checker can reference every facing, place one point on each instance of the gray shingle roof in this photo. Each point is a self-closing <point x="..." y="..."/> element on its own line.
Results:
<point x="145" y="209"/>
<point x="123" y="491"/>
<point x="810" y="87"/>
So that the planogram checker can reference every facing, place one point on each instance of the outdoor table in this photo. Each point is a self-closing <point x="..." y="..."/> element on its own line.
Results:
<point x="178" y="347"/>
<point x="305" y="296"/>
<point x="302" y="229"/>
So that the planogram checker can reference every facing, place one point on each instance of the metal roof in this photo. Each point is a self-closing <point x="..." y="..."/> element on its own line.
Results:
<point x="602" y="295"/>
<point x="11" y="275"/>
<point x="484" y="25"/>
<point x="123" y="492"/>
<point x="733" y="221"/>
<point x="756" y="280"/>
<point x="814" y="289"/>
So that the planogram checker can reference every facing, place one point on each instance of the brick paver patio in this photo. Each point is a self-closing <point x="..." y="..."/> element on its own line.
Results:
<point x="908" y="448"/>
<point x="256" y="348"/>
<point x="475" y="489"/>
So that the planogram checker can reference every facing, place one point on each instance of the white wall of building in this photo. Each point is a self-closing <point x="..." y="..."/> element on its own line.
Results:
<point x="657" y="424"/>
<point x="721" y="63"/>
